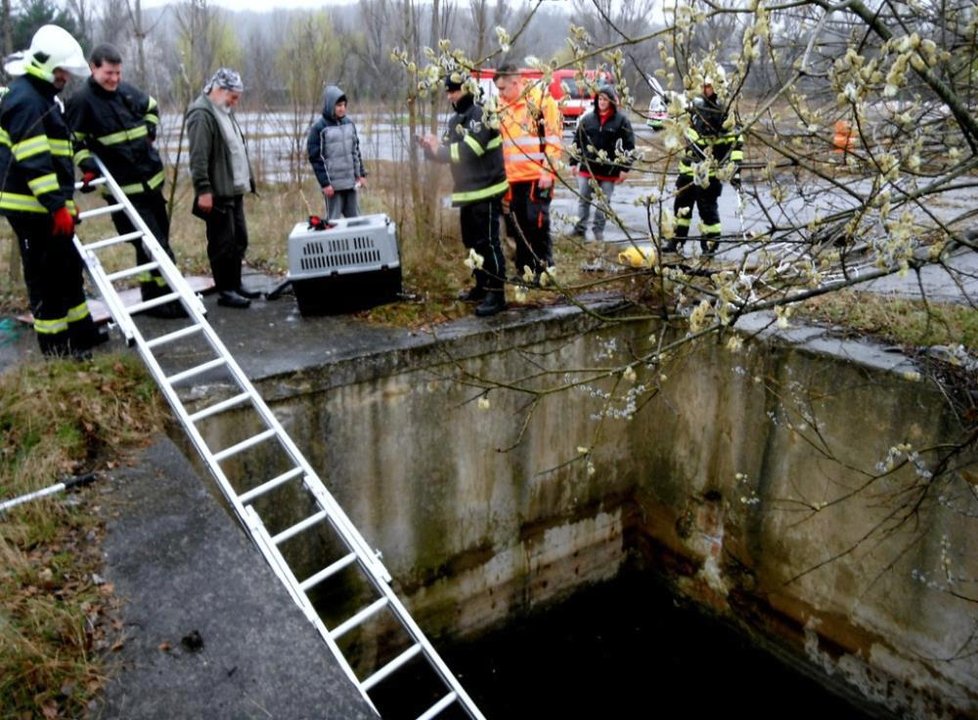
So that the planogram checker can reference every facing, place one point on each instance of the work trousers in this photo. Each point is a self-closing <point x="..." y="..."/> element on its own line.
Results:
<point x="227" y="241"/>
<point x="480" y="232"/>
<point x="688" y="195"/>
<point x="528" y="224"/>
<point x="151" y="207"/>
<point x="55" y="287"/>
<point x="586" y="190"/>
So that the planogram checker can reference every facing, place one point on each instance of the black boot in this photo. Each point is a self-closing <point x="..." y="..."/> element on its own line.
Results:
<point x="476" y="293"/>
<point x="494" y="302"/>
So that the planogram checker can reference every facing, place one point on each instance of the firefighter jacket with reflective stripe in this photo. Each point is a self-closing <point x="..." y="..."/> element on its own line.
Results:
<point x="119" y="126"/>
<point x="36" y="170"/>
<point x="531" y="128"/>
<point x="709" y="139"/>
<point x="473" y="150"/>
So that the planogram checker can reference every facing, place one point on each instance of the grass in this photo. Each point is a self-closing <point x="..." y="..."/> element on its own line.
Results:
<point x="57" y="618"/>
<point x="902" y="322"/>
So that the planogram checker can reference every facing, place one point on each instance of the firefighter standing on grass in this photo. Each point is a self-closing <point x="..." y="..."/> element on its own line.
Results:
<point x="472" y="149"/>
<point x="37" y="185"/>
<point x="117" y="122"/>
<point x="711" y="144"/>
<point x="530" y="125"/>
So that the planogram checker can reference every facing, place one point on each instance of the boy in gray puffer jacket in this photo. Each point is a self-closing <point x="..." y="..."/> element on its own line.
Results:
<point x="334" y="151"/>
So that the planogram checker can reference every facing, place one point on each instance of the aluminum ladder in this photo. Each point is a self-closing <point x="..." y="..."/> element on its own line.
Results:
<point x="281" y="509"/>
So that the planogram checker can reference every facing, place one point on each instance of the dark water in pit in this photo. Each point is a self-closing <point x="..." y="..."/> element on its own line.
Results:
<point x="627" y="650"/>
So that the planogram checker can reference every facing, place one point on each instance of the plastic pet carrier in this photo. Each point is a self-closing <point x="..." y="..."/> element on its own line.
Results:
<point x="344" y="265"/>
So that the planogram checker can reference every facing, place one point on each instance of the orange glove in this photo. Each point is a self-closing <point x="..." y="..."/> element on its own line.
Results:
<point x="62" y="223"/>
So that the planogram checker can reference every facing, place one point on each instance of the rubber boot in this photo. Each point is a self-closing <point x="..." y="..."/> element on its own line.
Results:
<point x="494" y="302"/>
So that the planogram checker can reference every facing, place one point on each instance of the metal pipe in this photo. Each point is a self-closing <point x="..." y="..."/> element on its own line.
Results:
<point x="71" y="482"/>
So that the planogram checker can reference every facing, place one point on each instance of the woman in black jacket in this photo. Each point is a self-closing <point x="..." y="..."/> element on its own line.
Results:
<point x="604" y="147"/>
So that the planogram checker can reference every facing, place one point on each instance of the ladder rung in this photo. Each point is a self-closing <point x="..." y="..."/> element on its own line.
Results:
<point x="246" y="497"/>
<point x="371" y="609"/>
<point x="391" y="667"/>
<point x="115" y="240"/>
<point x="435" y="709"/>
<point x="175" y="335"/>
<point x="155" y="302"/>
<point x="329" y="570"/>
<point x="299" y="527"/>
<point x="91" y="183"/>
<point x="244" y="445"/>
<point x="220" y="407"/>
<point x="129" y="272"/>
<point x="199" y="369"/>
<point x="103" y="210"/>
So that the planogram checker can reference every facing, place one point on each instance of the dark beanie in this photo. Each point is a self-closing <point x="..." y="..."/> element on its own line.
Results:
<point x="455" y="80"/>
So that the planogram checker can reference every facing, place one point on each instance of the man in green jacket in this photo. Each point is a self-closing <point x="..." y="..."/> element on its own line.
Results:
<point x="221" y="175"/>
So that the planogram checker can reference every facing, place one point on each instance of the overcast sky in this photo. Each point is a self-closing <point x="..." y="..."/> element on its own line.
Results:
<point x="258" y="5"/>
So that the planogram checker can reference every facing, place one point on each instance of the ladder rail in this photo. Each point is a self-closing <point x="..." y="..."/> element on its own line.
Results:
<point x="366" y="558"/>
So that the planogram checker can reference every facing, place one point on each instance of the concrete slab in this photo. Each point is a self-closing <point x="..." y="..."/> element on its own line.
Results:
<point x="210" y="632"/>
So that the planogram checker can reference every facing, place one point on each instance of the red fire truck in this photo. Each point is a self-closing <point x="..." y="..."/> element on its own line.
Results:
<point x="575" y="94"/>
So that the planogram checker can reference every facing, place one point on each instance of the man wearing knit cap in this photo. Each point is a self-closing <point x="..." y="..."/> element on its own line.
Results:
<point x="221" y="174"/>
<point x="473" y="150"/>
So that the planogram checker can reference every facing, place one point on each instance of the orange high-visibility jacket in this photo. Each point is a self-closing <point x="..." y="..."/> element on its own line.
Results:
<point x="523" y="137"/>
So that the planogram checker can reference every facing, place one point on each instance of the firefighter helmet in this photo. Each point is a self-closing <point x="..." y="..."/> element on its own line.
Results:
<point x="717" y="78"/>
<point x="53" y="47"/>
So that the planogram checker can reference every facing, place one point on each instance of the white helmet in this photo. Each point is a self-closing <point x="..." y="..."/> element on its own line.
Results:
<point x="53" y="47"/>
<point x="718" y="77"/>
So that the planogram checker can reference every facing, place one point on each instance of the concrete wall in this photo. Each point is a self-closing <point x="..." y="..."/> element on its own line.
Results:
<point x="752" y="481"/>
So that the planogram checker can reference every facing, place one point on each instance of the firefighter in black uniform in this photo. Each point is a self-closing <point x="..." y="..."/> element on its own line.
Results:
<point x="710" y="145"/>
<point x="37" y="184"/>
<point x="473" y="150"/>
<point x="117" y="122"/>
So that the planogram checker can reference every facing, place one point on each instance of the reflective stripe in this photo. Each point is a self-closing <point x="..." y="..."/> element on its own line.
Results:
<point x="494" y="143"/>
<point x="122" y="136"/>
<point x="533" y="141"/>
<point x="44" y="184"/>
<point x="4" y="137"/>
<point x="60" y="148"/>
<point x="683" y="222"/>
<point x="51" y="327"/>
<point x="20" y="203"/>
<point x="82" y="155"/>
<point x="517" y="155"/>
<point x="30" y="147"/>
<point x="79" y="312"/>
<point x="151" y="184"/>
<point x="711" y="229"/>
<point x="453" y="153"/>
<point x="474" y="145"/>
<point x="491" y="191"/>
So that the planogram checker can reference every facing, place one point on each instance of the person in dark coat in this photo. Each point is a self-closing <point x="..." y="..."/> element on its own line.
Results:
<point x="334" y="152"/>
<point x="117" y="122"/>
<point x="37" y="187"/>
<point x="604" y="146"/>
<point x="221" y="174"/>
<point x="710" y="145"/>
<point x="473" y="149"/>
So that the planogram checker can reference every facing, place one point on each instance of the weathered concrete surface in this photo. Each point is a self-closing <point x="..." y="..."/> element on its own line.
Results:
<point x="750" y="479"/>
<point x="184" y="571"/>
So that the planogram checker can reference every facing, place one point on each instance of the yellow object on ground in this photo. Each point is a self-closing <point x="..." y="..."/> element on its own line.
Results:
<point x="638" y="256"/>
